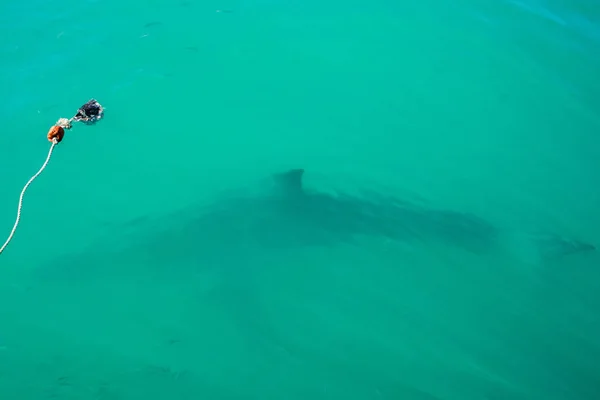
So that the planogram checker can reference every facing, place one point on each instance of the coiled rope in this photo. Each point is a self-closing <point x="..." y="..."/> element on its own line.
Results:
<point x="14" y="229"/>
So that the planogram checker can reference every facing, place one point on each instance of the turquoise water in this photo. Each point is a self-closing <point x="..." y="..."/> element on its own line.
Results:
<point x="123" y="283"/>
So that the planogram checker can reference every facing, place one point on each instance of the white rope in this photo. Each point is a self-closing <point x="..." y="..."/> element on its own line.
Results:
<point x="54" y="142"/>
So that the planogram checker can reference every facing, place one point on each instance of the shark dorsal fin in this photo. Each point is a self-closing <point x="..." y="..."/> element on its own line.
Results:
<point x="291" y="181"/>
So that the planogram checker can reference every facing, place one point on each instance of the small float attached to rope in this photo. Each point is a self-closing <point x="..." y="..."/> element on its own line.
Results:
<point x="89" y="113"/>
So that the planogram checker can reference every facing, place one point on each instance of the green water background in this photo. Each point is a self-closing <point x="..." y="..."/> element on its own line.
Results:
<point x="487" y="107"/>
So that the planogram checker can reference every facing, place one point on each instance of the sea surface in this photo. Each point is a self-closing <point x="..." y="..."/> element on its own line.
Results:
<point x="122" y="282"/>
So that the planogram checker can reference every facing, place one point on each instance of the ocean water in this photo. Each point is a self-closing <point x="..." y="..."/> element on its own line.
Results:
<point x="139" y="272"/>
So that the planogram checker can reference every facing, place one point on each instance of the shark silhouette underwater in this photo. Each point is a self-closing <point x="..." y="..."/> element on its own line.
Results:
<point x="227" y="252"/>
<point x="287" y="214"/>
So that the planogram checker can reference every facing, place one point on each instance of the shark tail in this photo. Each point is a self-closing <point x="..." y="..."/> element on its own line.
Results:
<point x="536" y="249"/>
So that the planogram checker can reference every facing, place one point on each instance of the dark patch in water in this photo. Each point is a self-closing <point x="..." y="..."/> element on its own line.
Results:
<point x="152" y="24"/>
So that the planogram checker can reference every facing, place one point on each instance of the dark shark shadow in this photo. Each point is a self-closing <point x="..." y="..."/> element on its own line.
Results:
<point x="232" y="239"/>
